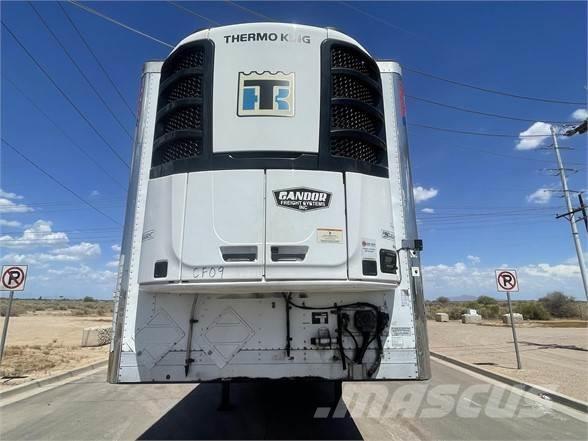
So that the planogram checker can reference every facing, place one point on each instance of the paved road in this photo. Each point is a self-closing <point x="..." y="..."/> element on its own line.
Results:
<point x="87" y="408"/>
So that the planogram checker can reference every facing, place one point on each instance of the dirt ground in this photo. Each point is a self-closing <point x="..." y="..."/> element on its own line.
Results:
<point x="553" y="357"/>
<point x="39" y="345"/>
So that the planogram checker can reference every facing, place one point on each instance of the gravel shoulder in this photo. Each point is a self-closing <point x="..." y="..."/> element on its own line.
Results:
<point x="555" y="358"/>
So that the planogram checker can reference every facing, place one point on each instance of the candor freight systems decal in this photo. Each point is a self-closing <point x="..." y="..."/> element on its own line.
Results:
<point x="303" y="199"/>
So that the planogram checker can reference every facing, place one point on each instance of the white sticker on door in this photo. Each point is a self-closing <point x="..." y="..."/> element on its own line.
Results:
<point x="329" y="235"/>
<point x="368" y="249"/>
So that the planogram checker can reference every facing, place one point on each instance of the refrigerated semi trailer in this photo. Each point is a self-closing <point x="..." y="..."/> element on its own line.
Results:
<point x="270" y="227"/>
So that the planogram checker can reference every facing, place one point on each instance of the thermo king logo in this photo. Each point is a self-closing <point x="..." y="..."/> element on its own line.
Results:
<point x="266" y="94"/>
<point x="302" y="199"/>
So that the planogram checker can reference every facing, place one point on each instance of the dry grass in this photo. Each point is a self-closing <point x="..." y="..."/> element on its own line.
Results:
<point x="60" y="307"/>
<point x="44" y="338"/>
<point x="25" y="360"/>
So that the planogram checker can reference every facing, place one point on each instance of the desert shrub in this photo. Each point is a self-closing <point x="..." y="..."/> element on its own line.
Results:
<point x="532" y="310"/>
<point x="560" y="305"/>
<point x="15" y="311"/>
<point x="490" y="311"/>
<point x="582" y="310"/>
<point x="89" y="299"/>
<point x="471" y="305"/>
<point x="455" y="312"/>
<point x="487" y="300"/>
<point x="443" y="300"/>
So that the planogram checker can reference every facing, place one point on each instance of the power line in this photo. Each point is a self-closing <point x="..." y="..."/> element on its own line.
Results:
<point x="465" y="132"/>
<point x="480" y="217"/>
<point x="190" y="11"/>
<point x="79" y="69"/>
<point x="433" y="128"/>
<point x="458" y="83"/>
<point x="384" y="22"/>
<point x="504" y="155"/>
<point x="116" y="22"/>
<point x="477" y="112"/>
<point x="61" y="203"/>
<point x="523" y="223"/>
<point x="87" y="45"/>
<point x="15" y="242"/>
<point x="251" y="11"/>
<point x="517" y="212"/>
<point x="496" y="208"/>
<point x="73" y="231"/>
<point x="496" y="92"/>
<point x="483" y="218"/>
<point x="54" y="179"/>
<point x="69" y="100"/>
<point x="64" y="133"/>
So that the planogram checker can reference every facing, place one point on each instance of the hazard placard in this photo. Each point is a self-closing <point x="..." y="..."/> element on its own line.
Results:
<point x="13" y="277"/>
<point x="507" y="280"/>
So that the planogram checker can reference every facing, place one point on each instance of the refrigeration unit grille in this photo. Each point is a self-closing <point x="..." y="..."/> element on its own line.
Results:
<point x="355" y="136"/>
<point x="182" y="127"/>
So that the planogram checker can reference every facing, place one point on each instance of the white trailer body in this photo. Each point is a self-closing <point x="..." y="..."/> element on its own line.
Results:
<point x="270" y="226"/>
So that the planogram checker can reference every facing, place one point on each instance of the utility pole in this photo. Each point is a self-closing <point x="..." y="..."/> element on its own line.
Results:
<point x="572" y="216"/>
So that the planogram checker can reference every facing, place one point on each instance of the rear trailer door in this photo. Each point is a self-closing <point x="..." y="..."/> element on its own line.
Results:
<point x="223" y="227"/>
<point x="305" y="225"/>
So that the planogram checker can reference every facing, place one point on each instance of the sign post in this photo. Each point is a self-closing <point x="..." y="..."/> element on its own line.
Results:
<point x="507" y="281"/>
<point x="13" y="279"/>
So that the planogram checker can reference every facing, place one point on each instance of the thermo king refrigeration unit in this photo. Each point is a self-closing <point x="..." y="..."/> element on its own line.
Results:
<point x="270" y="226"/>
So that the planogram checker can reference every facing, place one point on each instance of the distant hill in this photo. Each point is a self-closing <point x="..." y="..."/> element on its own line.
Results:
<point x="462" y="299"/>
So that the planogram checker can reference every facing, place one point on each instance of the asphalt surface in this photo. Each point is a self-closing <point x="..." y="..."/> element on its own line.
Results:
<point x="88" y="408"/>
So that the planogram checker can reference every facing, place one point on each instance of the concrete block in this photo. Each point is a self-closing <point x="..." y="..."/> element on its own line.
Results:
<point x="515" y="316"/>
<point x="471" y="318"/>
<point x="441" y="317"/>
<point x="96" y="336"/>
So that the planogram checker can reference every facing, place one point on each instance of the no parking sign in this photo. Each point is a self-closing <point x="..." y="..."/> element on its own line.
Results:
<point x="507" y="280"/>
<point x="13" y="277"/>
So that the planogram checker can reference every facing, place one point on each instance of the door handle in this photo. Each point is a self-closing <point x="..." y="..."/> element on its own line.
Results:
<point x="288" y="253"/>
<point x="244" y="253"/>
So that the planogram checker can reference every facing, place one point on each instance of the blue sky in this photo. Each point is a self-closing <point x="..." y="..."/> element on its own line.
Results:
<point x="481" y="195"/>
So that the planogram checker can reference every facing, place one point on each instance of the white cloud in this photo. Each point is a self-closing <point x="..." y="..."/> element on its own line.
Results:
<point x="39" y="234"/>
<point x="81" y="250"/>
<point x="574" y="259"/>
<point x="540" y="196"/>
<point x="9" y="206"/>
<point x="115" y="248"/>
<point x="535" y="279"/>
<point x="7" y="223"/>
<point x="73" y="253"/>
<point x="580" y="114"/>
<point x="85" y="273"/>
<point x="17" y="259"/>
<point x="112" y="264"/>
<point x="94" y="193"/>
<point x="428" y="210"/>
<point x="9" y="195"/>
<point x="533" y="133"/>
<point x="474" y="259"/>
<point x="422" y="194"/>
<point x="546" y="270"/>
